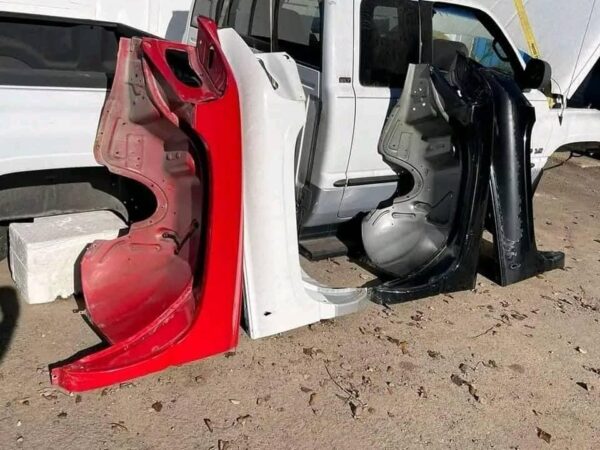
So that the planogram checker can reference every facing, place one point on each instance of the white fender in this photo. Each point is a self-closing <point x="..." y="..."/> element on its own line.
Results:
<point x="278" y="295"/>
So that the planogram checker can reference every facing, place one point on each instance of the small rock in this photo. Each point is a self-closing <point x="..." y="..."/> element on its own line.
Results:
<point x="234" y="401"/>
<point x="20" y="439"/>
<point x="581" y="350"/>
<point x="157" y="406"/>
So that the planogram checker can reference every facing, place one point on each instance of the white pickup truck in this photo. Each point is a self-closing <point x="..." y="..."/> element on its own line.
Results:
<point x="353" y="58"/>
<point x="57" y="62"/>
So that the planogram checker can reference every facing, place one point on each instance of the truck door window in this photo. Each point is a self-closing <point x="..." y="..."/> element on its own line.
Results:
<point x="299" y="30"/>
<point x="250" y="18"/>
<point x="472" y="36"/>
<point x="389" y="41"/>
<point x="206" y="8"/>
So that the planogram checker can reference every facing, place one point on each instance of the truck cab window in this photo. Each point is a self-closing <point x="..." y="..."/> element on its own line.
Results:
<point x="389" y="41"/>
<point x="457" y="29"/>
<point x="206" y="8"/>
<point x="250" y="18"/>
<point x="299" y="30"/>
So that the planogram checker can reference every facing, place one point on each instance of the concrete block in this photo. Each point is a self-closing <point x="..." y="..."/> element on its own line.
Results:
<point x="45" y="254"/>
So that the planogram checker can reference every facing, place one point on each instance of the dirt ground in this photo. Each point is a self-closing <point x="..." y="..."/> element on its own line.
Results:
<point x="517" y="367"/>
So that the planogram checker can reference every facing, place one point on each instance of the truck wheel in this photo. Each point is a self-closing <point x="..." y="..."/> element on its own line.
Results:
<point x="3" y="242"/>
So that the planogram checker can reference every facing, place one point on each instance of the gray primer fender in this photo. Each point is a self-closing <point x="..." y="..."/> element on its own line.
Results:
<point x="418" y="138"/>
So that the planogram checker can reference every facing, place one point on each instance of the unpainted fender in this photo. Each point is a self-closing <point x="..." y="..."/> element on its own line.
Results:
<point x="279" y="296"/>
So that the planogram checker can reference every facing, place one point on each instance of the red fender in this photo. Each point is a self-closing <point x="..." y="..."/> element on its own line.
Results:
<point x="168" y="292"/>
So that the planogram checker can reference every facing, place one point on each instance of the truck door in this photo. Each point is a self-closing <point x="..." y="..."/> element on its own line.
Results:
<point x="298" y="32"/>
<point x="387" y="42"/>
<point x="297" y="27"/>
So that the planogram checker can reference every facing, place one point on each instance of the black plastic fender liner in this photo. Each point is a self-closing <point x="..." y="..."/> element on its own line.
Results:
<point x="471" y="116"/>
<point x="515" y="256"/>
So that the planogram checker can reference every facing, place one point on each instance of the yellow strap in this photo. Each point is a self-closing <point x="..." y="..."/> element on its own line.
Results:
<point x="534" y="50"/>
<point x="527" y="29"/>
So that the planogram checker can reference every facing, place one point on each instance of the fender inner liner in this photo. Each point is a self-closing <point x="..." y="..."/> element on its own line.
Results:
<point x="465" y="136"/>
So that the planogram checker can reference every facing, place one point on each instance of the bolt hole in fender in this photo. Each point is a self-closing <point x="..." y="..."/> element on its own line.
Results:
<point x="279" y="296"/>
<point x="168" y="292"/>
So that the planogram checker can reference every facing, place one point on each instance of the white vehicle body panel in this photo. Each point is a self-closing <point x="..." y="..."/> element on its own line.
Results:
<point x="48" y="127"/>
<point x="278" y="295"/>
<point x="55" y="127"/>
<point x="345" y="119"/>
<point x="164" y="18"/>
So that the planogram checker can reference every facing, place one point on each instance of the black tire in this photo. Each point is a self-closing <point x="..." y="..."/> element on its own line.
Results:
<point x="3" y="242"/>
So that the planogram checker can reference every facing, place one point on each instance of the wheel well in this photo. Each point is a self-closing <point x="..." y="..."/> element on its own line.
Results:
<point x="26" y="195"/>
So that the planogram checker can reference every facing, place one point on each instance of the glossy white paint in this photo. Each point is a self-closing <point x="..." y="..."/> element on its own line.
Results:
<point x="164" y="18"/>
<point x="48" y="128"/>
<point x="352" y="116"/>
<point x="278" y="295"/>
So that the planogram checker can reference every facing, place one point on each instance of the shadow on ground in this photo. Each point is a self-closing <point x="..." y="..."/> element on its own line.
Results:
<point x="9" y="314"/>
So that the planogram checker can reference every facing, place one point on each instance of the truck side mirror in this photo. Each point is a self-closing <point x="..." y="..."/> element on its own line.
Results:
<point x="537" y="75"/>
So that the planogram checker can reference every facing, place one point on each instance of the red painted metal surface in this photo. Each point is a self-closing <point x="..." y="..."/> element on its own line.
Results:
<point x="168" y="292"/>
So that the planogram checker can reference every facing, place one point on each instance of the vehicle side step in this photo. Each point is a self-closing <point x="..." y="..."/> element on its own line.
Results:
<point x="319" y="248"/>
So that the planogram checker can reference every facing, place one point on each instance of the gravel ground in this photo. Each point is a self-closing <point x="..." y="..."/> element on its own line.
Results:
<point x="517" y="367"/>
